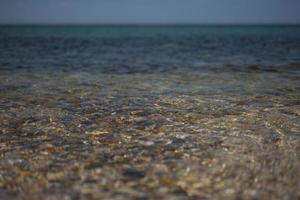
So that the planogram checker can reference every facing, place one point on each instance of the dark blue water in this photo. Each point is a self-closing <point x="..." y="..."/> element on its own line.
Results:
<point x="139" y="49"/>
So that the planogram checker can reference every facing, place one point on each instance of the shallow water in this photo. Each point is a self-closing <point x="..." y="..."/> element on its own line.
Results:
<point x="178" y="112"/>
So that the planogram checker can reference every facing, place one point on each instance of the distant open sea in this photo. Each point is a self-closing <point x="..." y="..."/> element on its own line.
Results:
<point x="150" y="112"/>
<point x="147" y="49"/>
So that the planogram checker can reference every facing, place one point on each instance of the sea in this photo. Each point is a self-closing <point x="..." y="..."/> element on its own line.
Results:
<point x="150" y="112"/>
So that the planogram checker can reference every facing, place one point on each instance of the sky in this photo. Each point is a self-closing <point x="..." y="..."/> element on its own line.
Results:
<point x="149" y="11"/>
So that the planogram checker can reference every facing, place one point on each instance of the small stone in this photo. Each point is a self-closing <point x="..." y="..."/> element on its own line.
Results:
<point x="133" y="173"/>
<point x="95" y="165"/>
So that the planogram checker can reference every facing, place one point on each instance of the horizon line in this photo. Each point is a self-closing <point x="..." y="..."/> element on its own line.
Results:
<point x="152" y="24"/>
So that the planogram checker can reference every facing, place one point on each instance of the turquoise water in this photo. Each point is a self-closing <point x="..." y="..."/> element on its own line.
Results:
<point x="149" y="112"/>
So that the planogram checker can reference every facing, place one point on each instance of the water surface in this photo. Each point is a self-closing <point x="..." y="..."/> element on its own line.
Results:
<point x="135" y="112"/>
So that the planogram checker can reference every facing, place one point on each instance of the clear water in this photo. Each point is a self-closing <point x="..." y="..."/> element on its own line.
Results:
<point x="135" y="112"/>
